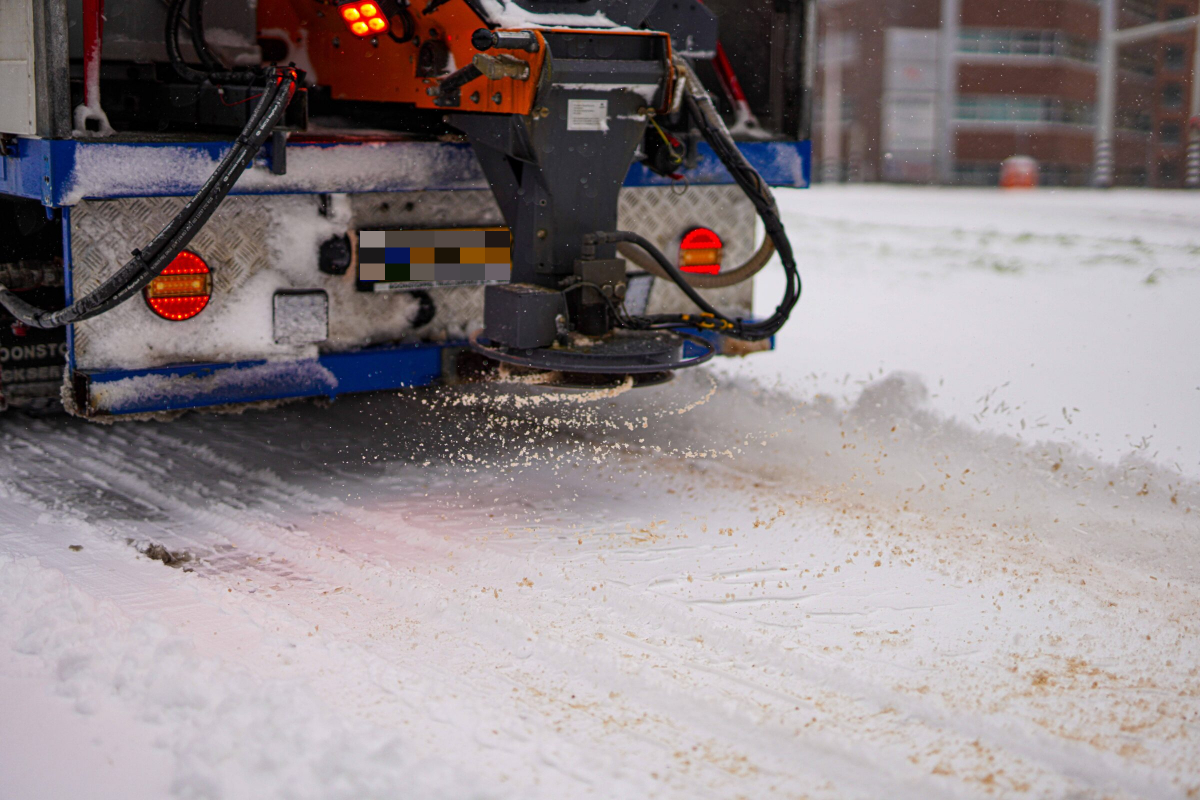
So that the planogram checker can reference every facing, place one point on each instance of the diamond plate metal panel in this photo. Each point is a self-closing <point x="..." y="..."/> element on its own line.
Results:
<point x="103" y="232"/>
<point x="234" y="242"/>
<point x="664" y="214"/>
<point x="459" y="309"/>
<point x="257" y="245"/>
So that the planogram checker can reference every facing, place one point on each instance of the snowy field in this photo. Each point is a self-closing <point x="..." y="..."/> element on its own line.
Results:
<point x="943" y="543"/>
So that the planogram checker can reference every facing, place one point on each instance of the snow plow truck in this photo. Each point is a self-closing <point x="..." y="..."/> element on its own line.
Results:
<point x="208" y="203"/>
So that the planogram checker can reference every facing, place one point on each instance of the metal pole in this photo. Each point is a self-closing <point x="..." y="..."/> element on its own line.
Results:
<point x="1106" y="95"/>
<point x="947" y="89"/>
<point x="809" y="41"/>
<point x="831" y="138"/>
<point x="1153" y="29"/>
<point x="1193" y="151"/>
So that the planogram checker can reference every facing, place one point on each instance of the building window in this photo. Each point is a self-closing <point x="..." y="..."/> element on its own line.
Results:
<point x="1019" y="42"/>
<point x="1176" y="12"/>
<point x="1134" y="120"/>
<point x="1139" y="61"/>
<point x="1007" y="108"/>
<point x="1169" y="133"/>
<point x="1174" y="57"/>
<point x="1168" y="171"/>
<point x="1146" y="9"/>
<point x="1172" y="95"/>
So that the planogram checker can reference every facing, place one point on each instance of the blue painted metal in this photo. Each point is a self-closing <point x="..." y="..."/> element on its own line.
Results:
<point x="37" y="168"/>
<point x="142" y="391"/>
<point x="718" y="340"/>
<point x="780" y="164"/>
<point x="121" y="392"/>
<point x="63" y="172"/>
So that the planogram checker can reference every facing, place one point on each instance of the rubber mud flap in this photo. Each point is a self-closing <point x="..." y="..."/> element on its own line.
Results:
<point x="32" y="360"/>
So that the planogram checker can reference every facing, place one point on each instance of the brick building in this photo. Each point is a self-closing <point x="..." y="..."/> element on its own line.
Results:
<point x="1024" y="80"/>
<point x="1171" y="93"/>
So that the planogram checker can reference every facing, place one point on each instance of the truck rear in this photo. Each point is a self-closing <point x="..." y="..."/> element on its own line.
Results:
<point x="441" y="191"/>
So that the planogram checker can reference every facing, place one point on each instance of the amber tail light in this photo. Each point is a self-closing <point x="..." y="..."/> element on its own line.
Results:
<point x="700" y="251"/>
<point x="182" y="290"/>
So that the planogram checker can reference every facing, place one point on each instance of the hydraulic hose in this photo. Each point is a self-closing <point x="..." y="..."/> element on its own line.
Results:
<point x="664" y="263"/>
<point x="148" y="263"/>
<point x="745" y="272"/>
<point x="199" y="42"/>
<point x="701" y="108"/>
<point x="175" y="55"/>
<point x="174" y="20"/>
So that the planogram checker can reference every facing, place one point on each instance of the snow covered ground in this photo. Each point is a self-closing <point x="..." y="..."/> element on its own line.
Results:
<point x="942" y="543"/>
<point x="1061" y="315"/>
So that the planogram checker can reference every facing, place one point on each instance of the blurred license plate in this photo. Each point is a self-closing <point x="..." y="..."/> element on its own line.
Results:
<point x="401" y="261"/>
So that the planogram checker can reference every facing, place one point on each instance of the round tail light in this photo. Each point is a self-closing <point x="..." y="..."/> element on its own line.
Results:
<point x="182" y="290"/>
<point x="700" y="251"/>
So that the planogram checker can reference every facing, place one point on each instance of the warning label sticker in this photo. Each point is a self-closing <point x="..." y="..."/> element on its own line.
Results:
<point x="587" y="115"/>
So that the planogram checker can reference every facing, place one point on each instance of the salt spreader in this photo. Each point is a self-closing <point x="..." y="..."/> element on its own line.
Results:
<point x="208" y="202"/>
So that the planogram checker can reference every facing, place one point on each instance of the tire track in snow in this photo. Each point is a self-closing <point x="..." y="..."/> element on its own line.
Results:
<point x="178" y="509"/>
<point x="360" y="544"/>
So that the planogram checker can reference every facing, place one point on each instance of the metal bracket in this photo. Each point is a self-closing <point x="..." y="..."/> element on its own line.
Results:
<point x="502" y="66"/>
<point x="279" y="152"/>
<point x="448" y="93"/>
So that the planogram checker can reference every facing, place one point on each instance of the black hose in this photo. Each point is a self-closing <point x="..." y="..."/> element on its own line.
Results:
<point x="407" y="22"/>
<point x="148" y="263"/>
<point x="191" y="74"/>
<point x="672" y="271"/>
<point x="199" y="42"/>
<point x="174" y="54"/>
<point x="701" y="109"/>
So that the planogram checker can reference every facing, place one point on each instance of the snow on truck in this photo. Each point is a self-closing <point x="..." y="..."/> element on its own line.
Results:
<point x="211" y="202"/>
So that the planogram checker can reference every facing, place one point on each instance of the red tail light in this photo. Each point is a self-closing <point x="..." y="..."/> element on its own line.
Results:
<point x="182" y="290"/>
<point x="700" y="251"/>
<point x="364" y="17"/>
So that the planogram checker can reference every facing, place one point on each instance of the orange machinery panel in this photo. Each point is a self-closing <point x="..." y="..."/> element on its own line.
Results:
<point x="381" y="69"/>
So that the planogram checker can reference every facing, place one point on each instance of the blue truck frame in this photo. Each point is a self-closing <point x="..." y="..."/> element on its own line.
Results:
<point x="60" y="172"/>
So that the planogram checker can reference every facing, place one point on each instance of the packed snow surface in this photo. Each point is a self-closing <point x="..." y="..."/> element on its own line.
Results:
<point x="942" y="543"/>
